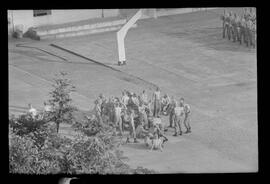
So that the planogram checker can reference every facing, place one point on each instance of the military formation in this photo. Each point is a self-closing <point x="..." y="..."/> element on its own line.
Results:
<point x="240" y="27"/>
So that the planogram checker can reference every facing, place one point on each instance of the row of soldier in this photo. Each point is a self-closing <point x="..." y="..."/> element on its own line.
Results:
<point x="240" y="27"/>
<point x="142" y="115"/>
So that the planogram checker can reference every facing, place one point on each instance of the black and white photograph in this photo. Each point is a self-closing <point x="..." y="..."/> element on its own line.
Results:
<point x="132" y="91"/>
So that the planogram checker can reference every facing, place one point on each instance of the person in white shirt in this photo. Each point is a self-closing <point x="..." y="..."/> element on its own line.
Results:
<point x="97" y="109"/>
<point x="47" y="107"/>
<point x="165" y="101"/>
<point x="132" y="131"/>
<point x="179" y="117"/>
<point x="124" y="98"/>
<point x="135" y="99"/>
<point x="187" y="118"/>
<point x="146" y="102"/>
<point x="143" y="116"/>
<point x="144" y="97"/>
<point x="32" y="111"/>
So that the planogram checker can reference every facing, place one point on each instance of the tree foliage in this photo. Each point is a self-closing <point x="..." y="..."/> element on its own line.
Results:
<point x="60" y="100"/>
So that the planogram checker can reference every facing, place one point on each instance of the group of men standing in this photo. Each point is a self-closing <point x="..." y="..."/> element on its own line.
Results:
<point x="142" y="113"/>
<point x="240" y="27"/>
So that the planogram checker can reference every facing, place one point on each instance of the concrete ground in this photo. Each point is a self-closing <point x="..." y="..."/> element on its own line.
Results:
<point x="185" y="56"/>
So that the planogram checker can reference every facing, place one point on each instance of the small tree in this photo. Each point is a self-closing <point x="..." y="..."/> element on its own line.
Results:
<point x="61" y="101"/>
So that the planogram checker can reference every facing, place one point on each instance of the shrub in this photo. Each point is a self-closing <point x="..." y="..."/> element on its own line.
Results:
<point x="36" y="129"/>
<point x="60" y="100"/>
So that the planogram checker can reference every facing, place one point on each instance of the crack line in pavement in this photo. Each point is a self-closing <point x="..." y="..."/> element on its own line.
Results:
<point x="23" y="45"/>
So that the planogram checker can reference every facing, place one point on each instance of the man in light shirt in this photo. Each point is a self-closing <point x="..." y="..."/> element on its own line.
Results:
<point x="187" y="118"/>
<point x="32" y="111"/>
<point x="179" y="117"/>
<point x="165" y="101"/>
<point x="124" y="98"/>
<point x="145" y="101"/>
<point x="135" y="99"/>
<point x="98" y="111"/>
<point x="118" y="118"/>
<point x="47" y="107"/>
<point x="132" y="130"/>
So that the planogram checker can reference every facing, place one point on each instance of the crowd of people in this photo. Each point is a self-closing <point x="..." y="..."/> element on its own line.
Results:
<point x="240" y="27"/>
<point x="141" y="115"/>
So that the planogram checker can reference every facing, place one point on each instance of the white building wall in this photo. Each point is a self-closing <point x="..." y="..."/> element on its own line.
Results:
<point x="64" y="16"/>
<point x="21" y="18"/>
<point x="26" y="19"/>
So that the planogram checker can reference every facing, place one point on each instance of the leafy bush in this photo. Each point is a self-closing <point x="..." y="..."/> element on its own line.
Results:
<point x="36" y="129"/>
<point x="26" y="157"/>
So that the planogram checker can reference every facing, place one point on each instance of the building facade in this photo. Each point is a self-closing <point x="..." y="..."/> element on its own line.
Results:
<point x="24" y="19"/>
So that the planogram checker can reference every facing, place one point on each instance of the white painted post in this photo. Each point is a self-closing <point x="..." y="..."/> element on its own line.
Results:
<point x="121" y="34"/>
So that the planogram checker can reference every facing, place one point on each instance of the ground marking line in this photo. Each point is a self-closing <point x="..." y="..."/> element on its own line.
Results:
<point x="46" y="80"/>
<point x="102" y="64"/>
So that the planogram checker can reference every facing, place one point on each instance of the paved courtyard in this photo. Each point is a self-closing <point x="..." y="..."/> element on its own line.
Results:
<point x="185" y="56"/>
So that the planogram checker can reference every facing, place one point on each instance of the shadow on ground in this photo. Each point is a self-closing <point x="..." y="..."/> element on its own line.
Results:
<point x="211" y="37"/>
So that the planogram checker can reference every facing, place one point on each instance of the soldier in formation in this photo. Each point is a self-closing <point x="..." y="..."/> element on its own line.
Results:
<point x="240" y="28"/>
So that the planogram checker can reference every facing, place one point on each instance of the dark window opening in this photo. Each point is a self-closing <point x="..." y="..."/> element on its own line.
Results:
<point x="42" y="12"/>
